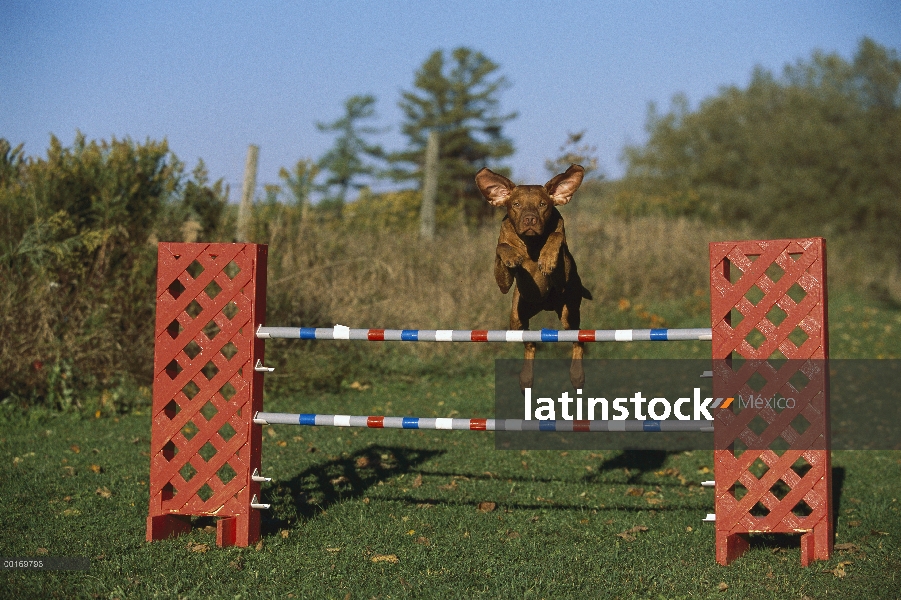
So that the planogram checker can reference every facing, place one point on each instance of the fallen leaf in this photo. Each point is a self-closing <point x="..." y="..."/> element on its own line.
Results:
<point x="512" y="535"/>
<point x="259" y="546"/>
<point x="237" y="564"/>
<point x="104" y="492"/>
<point x="839" y="570"/>
<point x="197" y="547"/>
<point x="486" y="507"/>
<point x="71" y="512"/>
<point x="626" y="536"/>
<point x="389" y="558"/>
<point x="68" y="471"/>
<point x="356" y="385"/>
<point x="96" y="468"/>
<point x="362" y="462"/>
<point x="74" y="448"/>
<point x="209" y="529"/>
<point x="425" y="505"/>
<point x="281" y="443"/>
<point x="333" y="549"/>
<point x="42" y="551"/>
<point x="654" y="500"/>
<point x="423" y="541"/>
<point x="635" y="492"/>
<point x="847" y="547"/>
<point x="339" y="480"/>
<point x="876" y="532"/>
<point x="270" y="432"/>
<point x="418" y="481"/>
<point x="450" y="487"/>
<point x="723" y="586"/>
<point x="284" y="533"/>
<point x="853" y="523"/>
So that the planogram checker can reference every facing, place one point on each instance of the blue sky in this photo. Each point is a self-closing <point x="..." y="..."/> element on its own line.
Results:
<point x="214" y="77"/>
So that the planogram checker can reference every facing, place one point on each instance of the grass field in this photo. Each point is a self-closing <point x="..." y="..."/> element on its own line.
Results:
<point x="397" y="514"/>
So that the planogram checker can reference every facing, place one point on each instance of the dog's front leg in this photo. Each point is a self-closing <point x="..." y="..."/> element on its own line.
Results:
<point x="506" y="259"/>
<point x="549" y="257"/>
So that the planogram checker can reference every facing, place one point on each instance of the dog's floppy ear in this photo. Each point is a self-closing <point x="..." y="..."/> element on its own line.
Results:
<point x="496" y="188"/>
<point x="562" y="187"/>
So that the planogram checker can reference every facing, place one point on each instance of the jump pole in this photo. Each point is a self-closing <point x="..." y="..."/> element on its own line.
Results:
<point x="207" y="402"/>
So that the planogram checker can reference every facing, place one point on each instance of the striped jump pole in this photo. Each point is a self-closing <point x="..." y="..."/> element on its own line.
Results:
<point x="339" y="332"/>
<point x="648" y="425"/>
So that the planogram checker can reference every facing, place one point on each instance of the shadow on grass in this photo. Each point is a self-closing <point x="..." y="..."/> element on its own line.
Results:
<point x="634" y="462"/>
<point x="348" y="477"/>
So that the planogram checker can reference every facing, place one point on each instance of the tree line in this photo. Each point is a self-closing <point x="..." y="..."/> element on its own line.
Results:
<point x="815" y="150"/>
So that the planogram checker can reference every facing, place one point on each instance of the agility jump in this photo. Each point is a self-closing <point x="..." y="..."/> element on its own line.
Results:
<point x="224" y="302"/>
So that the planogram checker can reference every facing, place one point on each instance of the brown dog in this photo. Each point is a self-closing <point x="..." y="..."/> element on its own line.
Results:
<point x="532" y="251"/>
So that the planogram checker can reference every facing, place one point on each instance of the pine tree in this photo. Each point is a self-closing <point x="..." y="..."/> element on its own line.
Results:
<point x="459" y="100"/>
<point x="349" y="162"/>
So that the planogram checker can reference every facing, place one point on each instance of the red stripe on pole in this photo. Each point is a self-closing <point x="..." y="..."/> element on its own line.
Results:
<point x="375" y="422"/>
<point x="581" y="425"/>
<point x="479" y="336"/>
<point x="376" y="335"/>
<point x="478" y="424"/>
<point x="586" y="335"/>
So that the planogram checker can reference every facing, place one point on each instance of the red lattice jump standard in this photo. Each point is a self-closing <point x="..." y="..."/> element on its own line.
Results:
<point x="208" y="389"/>
<point x="205" y="450"/>
<point x="768" y="299"/>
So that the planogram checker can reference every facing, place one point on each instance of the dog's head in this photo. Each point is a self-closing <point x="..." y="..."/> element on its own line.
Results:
<point x="529" y="206"/>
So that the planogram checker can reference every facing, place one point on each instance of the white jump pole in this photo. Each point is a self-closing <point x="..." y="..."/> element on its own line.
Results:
<point x="633" y="425"/>
<point x="340" y="332"/>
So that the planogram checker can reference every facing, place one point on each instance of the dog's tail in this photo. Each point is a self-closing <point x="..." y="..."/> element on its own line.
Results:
<point x="586" y="294"/>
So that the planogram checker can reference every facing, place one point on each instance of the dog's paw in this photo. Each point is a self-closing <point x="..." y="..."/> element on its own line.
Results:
<point x="547" y="263"/>
<point x="509" y="257"/>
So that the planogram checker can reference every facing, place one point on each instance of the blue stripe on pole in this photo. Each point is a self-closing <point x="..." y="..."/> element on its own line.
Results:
<point x="547" y="425"/>
<point x="307" y="419"/>
<point x="409" y="335"/>
<point x="548" y="335"/>
<point x="659" y="335"/>
<point x="308" y="333"/>
<point x="651" y="426"/>
<point x="410" y="423"/>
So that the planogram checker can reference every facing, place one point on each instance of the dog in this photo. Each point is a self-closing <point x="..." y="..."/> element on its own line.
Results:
<point x="532" y="251"/>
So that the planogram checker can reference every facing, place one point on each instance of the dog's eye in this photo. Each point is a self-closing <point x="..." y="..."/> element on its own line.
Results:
<point x="542" y="204"/>
<point x="516" y="204"/>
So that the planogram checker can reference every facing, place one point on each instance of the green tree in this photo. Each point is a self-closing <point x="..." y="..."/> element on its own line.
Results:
<point x="459" y="99"/>
<point x="572" y="152"/>
<point x="77" y="262"/>
<point x="813" y="152"/>
<point x="349" y="163"/>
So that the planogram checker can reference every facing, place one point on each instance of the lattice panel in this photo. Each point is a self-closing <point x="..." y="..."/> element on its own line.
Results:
<point x="772" y="463"/>
<point x="210" y="299"/>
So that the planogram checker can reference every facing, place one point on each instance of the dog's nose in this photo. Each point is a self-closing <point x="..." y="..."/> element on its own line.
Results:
<point x="529" y="220"/>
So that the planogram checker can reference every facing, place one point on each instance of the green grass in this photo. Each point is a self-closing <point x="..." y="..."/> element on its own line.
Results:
<point x="563" y="525"/>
